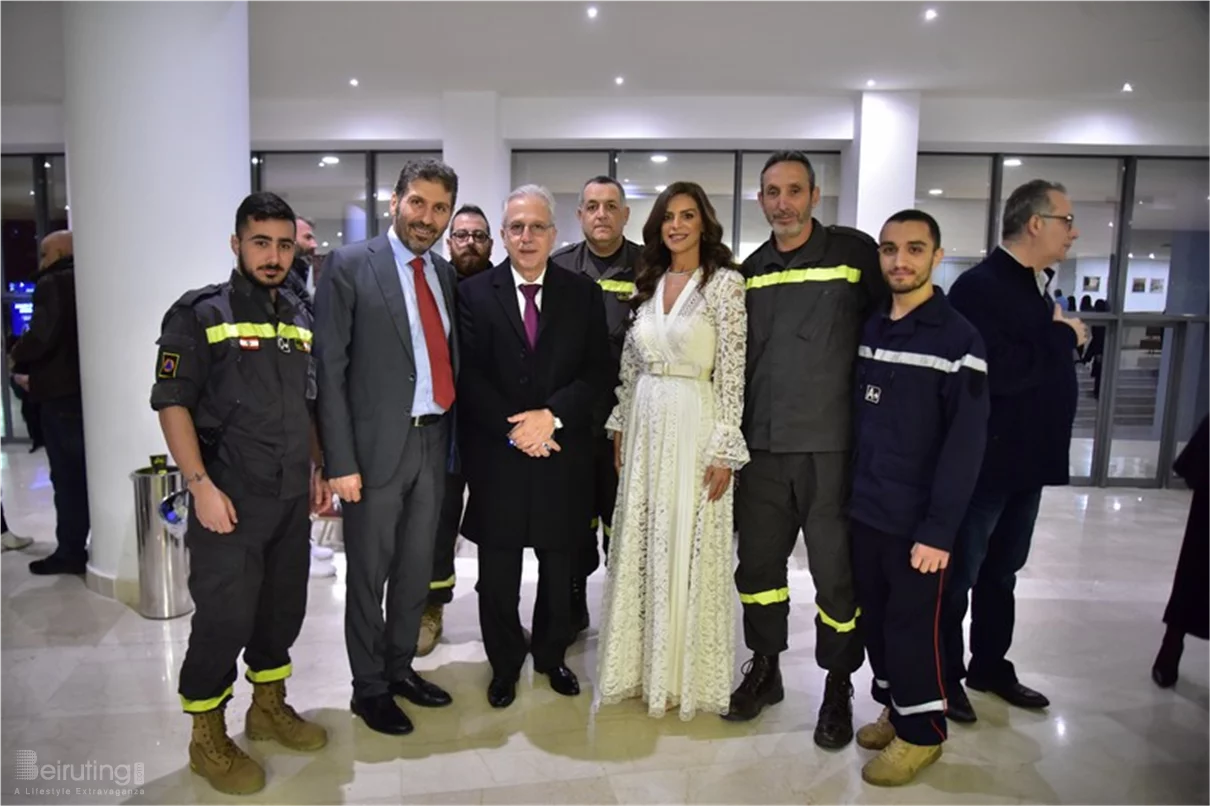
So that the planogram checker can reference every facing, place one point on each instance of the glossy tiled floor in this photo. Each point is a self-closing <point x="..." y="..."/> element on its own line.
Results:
<point x="86" y="679"/>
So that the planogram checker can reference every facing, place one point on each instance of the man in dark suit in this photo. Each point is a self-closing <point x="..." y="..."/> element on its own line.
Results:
<point x="536" y="363"/>
<point x="387" y="359"/>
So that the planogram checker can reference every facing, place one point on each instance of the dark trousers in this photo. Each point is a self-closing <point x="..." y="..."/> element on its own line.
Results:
<point x="605" y="496"/>
<point x="249" y="588"/>
<point x="777" y="495"/>
<point x="441" y="586"/>
<point x="900" y="620"/>
<point x="991" y="547"/>
<point x="499" y="595"/>
<point x="63" y="430"/>
<point x="3" y="520"/>
<point x="389" y="536"/>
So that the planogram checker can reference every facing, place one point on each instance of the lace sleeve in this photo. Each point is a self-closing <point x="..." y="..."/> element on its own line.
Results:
<point x="727" y="447"/>
<point x="627" y="376"/>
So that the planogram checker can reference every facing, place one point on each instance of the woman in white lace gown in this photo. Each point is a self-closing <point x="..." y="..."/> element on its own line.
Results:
<point x="668" y="626"/>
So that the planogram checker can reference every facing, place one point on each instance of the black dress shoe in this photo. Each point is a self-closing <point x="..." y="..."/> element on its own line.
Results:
<point x="1166" y="668"/>
<point x="501" y="692"/>
<point x="1012" y="693"/>
<point x="834" y="728"/>
<point x="55" y="564"/>
<point x="563" y="680"/>
<point x="958" y="706"/>
<point x="420" y="691"/>
<point x="380" y="713"/>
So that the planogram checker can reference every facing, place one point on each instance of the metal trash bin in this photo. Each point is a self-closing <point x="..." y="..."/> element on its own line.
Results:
<point x="163" y="559"/>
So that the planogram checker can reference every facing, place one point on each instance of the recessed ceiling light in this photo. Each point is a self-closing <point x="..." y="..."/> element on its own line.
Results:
<point x="930" y="14"/>
<point x="67" y="207"/>
<point x="592" y="12"/>
<point x="31" y="193"/>
<point x="330" y="160"/>
<point x="340" y="235"/>
<point x="386" y="215"/>
<point x="1012" y="162"/>
<point x="660" y="188"/>
<point x="353" y="82"/>
<point x="871" y="83"/>
<point x="619" y="81"/>
<point x="1151" y="255"/>
<point x="255" y="160"/>
<point x="325" y="243"/>
<point x="936" y="192"/>
<point x="1127" y="88"/>
<point x="626" y="180"/>
<point x="659" y="158"/>
<point x="1130" y="255"/>
<point x="46" y="165"/>
<point x="1111" y="223"/>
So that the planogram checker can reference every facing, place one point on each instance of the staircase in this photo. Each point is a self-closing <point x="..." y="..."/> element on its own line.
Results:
<point x="1135" y="403"/>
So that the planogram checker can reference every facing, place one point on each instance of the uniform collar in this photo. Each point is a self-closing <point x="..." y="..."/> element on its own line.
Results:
<point x="932" y="312"/>
<point x="259" y="295"/>
<point x="810" y="252"/>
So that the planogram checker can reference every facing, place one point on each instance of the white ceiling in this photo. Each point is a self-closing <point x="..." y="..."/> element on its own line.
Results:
<point x="305" y="50"/>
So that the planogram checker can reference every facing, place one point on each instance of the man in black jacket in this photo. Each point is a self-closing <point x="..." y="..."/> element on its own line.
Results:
<point x="51" y="350"/>
<point x="1031" y="349"/>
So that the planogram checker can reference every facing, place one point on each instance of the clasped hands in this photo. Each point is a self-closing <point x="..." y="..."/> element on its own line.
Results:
<point x="533" y="433"/>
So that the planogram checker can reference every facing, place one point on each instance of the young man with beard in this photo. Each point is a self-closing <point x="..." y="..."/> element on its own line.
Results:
<point x="387" y="357"/>
<point x="609" y="260"/>
<point x="247" y="459"/>
<point x="810" y="289"/>
<point x="920" y="424"/>
<point x="470" y="249"/>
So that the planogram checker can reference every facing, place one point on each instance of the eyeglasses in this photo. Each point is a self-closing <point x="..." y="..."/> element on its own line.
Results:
<point x="517" y="229"/>
<point x="1068" y="220"/>
<point x="462" y="236"/>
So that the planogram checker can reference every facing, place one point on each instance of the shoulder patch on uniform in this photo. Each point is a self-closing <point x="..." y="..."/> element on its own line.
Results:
<point x="169" y="363"/>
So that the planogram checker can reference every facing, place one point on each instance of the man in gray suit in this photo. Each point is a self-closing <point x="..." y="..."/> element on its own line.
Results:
<point x="387" y="358"/>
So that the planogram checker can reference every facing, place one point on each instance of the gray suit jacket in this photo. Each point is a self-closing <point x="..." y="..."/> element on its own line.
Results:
<point x="366" y="364"/>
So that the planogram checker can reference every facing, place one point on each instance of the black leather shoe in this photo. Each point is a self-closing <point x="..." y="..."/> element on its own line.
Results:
<point x="958" y="706"/>
<point x="761" y="686"/>
<point x="380" y="713"/>
<point x="1013" y="693"/>
<point x="563" y="680"/>
<point x="579" y="605"/>
<point x="501" y="692"/>
<point x="55" y="564"/>
<point x="834" y="728"/>
<point x="420" y="691"/>
<point x="1166" y="668"/>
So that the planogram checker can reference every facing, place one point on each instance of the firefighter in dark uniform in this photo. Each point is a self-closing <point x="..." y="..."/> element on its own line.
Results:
<point x="606" y="257"/>
<point x="920" y="425"/>
<point x="235" y="392"/>
<point x="810" y="289"/>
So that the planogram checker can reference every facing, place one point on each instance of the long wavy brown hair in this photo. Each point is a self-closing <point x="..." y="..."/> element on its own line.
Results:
<point x="655" y="258"/>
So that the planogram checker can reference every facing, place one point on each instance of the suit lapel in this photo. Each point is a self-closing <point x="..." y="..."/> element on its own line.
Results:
<point x="552" y="289"/>
<point x="382" y="261"/>
<point x="446" y="275"/>
<point x="506" y="295"/>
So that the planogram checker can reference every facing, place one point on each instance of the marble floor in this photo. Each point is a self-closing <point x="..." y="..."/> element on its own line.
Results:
<point x="85" y="679"/>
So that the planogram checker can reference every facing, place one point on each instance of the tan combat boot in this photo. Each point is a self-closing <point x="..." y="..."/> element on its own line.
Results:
<point x="899" y="763"/>
<point x="219" y="760"/>
<point x="877" y="735"/>
<point x="430" y="630"/>
<point x="271" y="717"/>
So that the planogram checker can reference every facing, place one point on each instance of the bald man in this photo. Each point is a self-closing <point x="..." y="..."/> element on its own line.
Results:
<point x="51" y="351"/>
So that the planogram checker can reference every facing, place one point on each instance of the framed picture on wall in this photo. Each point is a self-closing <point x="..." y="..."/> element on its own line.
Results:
<point x="1092" y="283"/>
<point x="1157" y="285"/>
<point x="1138" y="285"/>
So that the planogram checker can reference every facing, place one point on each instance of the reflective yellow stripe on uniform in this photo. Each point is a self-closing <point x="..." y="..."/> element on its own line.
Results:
<point x="254" y="330"/>
<point x="594" y="524"/>
<point x="766" y="597"/>
<point x="269" y="675"/>
<point x="202" y="706"/>
<point x="608" y="530"/>
<point x="438" y="584"/>
<point x="839" y="626"/>
<point x="821" y="275"/>
<point x="616" y="286"/>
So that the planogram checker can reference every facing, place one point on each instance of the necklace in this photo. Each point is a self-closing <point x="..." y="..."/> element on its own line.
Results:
<point x="682" y="271"/>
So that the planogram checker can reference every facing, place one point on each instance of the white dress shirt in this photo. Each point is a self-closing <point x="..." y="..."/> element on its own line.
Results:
<point x="422" y="400"/>
<point x="519" y="281"/>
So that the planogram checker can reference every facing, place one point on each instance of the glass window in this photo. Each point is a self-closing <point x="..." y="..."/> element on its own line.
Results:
<point x="56" y="184"/>
<point x="327" y="187"/>
<point x="1193" y="390"/>
<point x="18" y="220"/>
<point x="754" y="228"/>
<point x="387" y="167"/>
<point x="1145" y="365"/>
<point x="563" y="173"/>
<point x="1169" y="246"/>
<point x="645" y="174"/>
<point x="1094" y="186"/>
<point x="955" y="190"/>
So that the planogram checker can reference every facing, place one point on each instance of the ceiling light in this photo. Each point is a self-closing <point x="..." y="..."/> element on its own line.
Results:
<point x="46" y="165"/>
<point x="255" y="160"/>
<point x="626" y="180"/>
<point x="324" y="244"/>
<point x="1127" y="88"/>
<point x="660" y="188"/>
<point x="330" y="160"/>
<point x="1130" y="255"/>
<point x="871" y="83"/>
<point x="1012" y="162"/>
<point x="1111" y="223"/>
<point x="67" y="207"/>
<point x="930" y="14"/>
<point x="386" y="215"/>
<point x="936" y="192"/>
<point x="353" y="82"/>
<point x="340" y="235"/>
<point x="1151" y="255"/>
<point x="592" y="12"/>
<point x="619" y="81"/>
<point x="659" y="158"/>
<point x="31" y="193"/>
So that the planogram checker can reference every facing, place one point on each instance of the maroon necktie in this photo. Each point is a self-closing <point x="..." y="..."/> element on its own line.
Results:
<point x="530" y="290"/>
<point x="434" y="338"/>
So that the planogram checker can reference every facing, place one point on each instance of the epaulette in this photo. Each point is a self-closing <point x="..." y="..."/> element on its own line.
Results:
<point x="190" y="299"/>
<point x="563" y="250"/>
<point x="837" y="229"/>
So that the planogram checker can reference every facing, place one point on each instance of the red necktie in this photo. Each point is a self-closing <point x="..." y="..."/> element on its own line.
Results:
<point x="434" y="338"/>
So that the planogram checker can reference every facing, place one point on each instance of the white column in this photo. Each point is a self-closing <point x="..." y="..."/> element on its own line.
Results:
<point x="474" y="146"/>
<point x="156" y="114"/>
<point x="880" y="164"/>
